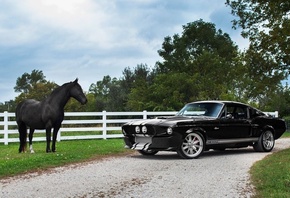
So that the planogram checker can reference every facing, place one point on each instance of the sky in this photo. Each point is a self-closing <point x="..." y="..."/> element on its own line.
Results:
<point x="89" y="39"/>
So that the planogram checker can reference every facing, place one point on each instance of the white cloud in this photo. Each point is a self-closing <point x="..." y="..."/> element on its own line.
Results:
<point x="89" y="39"/>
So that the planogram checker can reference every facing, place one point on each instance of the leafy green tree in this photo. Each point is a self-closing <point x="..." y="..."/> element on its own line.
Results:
<point x="137" y="84"/>
<point x="278" y="100"/>
<point x="26" y="82"/>
<point x="179" y="52"/>
<point x="267" y="25"/>
<point x="202" y="58"/>
<point x="257" y="80"/>
<point x="33" y="86"/>
<point x="9" y="106"/>
<point x="108" y="94"/>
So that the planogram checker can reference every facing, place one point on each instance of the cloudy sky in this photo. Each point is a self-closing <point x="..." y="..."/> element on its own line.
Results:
<point x="89" y="39"/>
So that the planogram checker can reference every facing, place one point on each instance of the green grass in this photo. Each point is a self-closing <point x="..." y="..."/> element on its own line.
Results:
<point x="286" y="134"/>
<point x="67" y="152"/>
<point x="271" y="176"/>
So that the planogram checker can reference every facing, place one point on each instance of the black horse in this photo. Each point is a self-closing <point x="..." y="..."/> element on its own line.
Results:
<point x="46" y="114"/>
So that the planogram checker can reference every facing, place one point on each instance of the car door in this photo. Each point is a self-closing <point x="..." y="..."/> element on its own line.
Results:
<point x="233" y="123"/>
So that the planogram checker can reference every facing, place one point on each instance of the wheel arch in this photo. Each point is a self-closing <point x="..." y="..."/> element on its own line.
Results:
<point x="197" y="129"/>
<point x="269" y="127"/>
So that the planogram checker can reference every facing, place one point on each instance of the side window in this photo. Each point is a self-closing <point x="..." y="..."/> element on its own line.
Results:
<point x="237" y="112"/>
<point x="241" y="113"/>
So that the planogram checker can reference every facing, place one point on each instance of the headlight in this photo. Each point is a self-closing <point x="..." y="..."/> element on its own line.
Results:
<point x="144" y="129"/>
<point x="137" y="129"/>
<point x="169" y="131"/>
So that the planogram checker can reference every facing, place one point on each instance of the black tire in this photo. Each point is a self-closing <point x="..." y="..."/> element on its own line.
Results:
<point x="192" y="146"/>
<point x="147" y="152"/>
<point x="266" y="142"/>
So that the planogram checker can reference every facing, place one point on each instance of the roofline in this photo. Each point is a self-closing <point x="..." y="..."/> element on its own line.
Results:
<point x="219" y="101"/>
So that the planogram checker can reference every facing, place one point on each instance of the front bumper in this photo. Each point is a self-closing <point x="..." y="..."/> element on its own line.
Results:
<point x="153" y="142"/>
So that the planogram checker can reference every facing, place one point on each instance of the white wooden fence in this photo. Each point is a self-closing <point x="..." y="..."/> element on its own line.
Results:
<point x="92" y="125"/>
<point x="79" y="125"/>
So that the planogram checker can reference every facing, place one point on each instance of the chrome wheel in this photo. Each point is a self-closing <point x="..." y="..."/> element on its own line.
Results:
<point x="192" y="146"/>
<point x="268" y="140"/>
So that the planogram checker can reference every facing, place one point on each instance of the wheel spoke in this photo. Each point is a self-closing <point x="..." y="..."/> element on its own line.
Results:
<point x="268" y="140"/>
<point x="192" y="145"/>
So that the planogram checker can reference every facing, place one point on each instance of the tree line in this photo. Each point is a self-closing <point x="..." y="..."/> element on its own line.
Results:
<point x="201" y="63"/>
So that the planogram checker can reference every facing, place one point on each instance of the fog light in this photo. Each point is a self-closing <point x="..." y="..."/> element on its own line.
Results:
<point x="169" y="131"/>
<point x="137" y="129"/>
<point x="144" y="129"/>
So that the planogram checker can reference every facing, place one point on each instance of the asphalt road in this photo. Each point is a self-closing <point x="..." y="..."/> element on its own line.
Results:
<point x="214" y="174"/>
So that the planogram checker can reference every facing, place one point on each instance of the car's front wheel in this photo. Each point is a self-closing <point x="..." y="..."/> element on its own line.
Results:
<point x="266" y="142"/>
<point x="147" y="152"/>
<point x="192" y="146"/>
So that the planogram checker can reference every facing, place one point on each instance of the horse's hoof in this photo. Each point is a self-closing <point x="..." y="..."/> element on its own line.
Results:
<point x="48" y="151"/>
<point x="32" y="151"/>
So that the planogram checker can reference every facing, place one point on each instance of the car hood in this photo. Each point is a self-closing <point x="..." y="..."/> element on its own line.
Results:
<point x="170" y="120"/>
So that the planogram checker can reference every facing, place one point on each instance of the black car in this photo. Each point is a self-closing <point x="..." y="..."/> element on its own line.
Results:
<point x="205" y="125"/>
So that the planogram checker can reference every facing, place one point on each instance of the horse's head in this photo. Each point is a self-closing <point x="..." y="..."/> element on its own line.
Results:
<point x="77" y="92"/>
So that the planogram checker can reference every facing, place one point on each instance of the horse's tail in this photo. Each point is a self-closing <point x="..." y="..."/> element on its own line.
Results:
<point x="22" y="137"/>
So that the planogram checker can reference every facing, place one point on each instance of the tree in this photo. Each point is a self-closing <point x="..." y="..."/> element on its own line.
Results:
<point x="33" y="86"/>
<point x="179" y="52"/>
<point x="267" y="25"/>
<point x="137" y="84"/>
<point x="26" y="82"/>
<point x="202" y="58"/>
<point x="257" y="80"/>
<point x="108" y="94"/>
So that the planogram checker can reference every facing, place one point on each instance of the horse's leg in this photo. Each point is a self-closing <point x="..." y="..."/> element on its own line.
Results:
<point x="31" y="131"/>
<point x="55" y="131"/>
<point x="22" y="136"/>
<point x="48" y="139"/>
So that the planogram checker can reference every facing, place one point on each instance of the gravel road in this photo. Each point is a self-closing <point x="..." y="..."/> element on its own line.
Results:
<point x="214" y="174"/>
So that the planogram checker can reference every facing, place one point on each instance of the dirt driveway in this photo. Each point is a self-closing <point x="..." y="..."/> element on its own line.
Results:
<point x="214" y="174"/>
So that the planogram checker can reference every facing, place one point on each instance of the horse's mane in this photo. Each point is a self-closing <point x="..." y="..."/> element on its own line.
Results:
<point x="59" y="88"/>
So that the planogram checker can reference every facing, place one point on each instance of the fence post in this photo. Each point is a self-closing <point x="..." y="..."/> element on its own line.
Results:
<point x="5" y="128"/>
<point x="276" y="114"/>
<point x="144" y="114"/>
<point x="104" y="125"/>
<point x="58" y="137"/>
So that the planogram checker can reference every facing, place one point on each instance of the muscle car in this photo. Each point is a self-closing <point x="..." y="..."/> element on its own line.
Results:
<point x="204" y="125"/>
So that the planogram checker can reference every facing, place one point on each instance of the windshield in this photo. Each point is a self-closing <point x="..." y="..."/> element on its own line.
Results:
<point x="201" y="109"/>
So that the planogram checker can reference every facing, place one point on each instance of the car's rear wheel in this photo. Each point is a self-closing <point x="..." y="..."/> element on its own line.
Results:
<point x="192" y="146"/>
<point x="266" y="142"/>
<point x="147" y="152"/>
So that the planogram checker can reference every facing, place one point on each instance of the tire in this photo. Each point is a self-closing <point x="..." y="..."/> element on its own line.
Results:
<point x="192" y="146"/>
<point x="265" y="143"/>
<point x="147" y="152"/>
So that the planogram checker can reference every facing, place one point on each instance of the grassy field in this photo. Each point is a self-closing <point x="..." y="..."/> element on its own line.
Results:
<point x="13" y="163"/>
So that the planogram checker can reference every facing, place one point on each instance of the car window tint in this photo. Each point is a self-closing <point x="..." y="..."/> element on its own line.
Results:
<point x="237" y="112"/>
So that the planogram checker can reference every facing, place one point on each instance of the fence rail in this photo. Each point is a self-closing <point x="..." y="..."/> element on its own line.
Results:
<point x="82" y="125"/>
<point x="79" y="125"/>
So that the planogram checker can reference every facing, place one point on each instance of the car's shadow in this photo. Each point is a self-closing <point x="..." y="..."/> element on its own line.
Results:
<point x="165" y="155"/>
